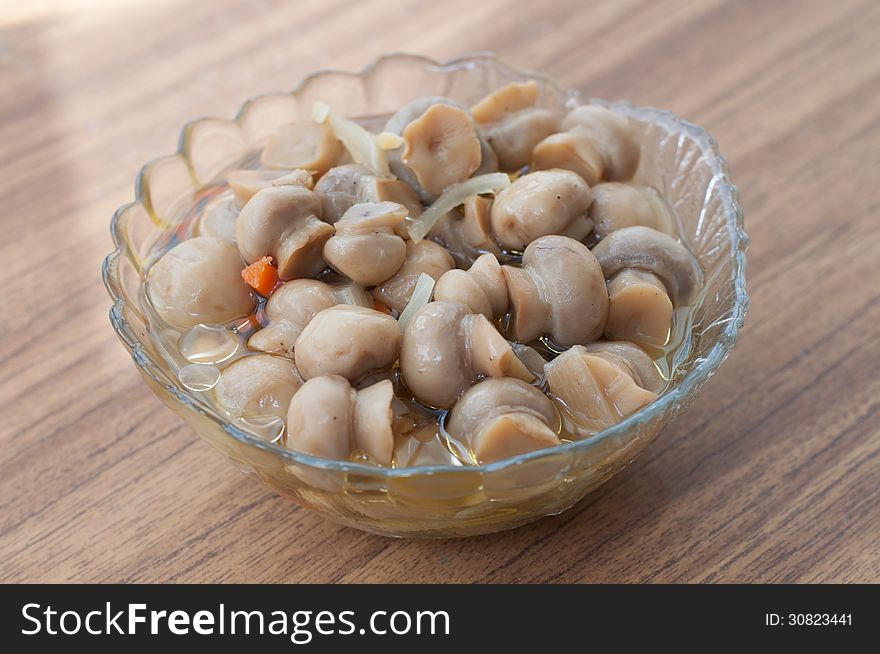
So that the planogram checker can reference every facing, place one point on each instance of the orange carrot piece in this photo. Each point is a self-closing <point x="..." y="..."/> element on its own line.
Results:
<point x="381" y="306"/>
<point x="262" y="276"/>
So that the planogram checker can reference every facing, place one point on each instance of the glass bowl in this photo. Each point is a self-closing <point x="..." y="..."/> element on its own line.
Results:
<point x="681" y="160"/>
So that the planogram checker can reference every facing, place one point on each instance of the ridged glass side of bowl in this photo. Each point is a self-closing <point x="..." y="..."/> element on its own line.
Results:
<point x="679" y="159"/>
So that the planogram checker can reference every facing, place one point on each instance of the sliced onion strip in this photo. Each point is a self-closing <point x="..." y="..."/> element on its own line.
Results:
<point x="453" y="196"/>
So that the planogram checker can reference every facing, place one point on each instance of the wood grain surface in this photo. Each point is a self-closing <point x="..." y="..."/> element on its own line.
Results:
<point x="772" y="475"/>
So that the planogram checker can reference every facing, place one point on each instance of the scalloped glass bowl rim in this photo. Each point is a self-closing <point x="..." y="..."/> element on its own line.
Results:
<point x="689" y="384"/>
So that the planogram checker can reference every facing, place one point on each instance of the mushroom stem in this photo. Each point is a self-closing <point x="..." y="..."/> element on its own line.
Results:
<point x="595" y="390"/>
<point x="482" y="287"/>
<point x="647" y="249"/>
<point x="503" y="417"/>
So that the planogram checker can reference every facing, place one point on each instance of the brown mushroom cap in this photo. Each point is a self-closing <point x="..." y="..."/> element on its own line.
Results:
<point x="504" y="417"/>
<point x="639" y="308"/>
<point x="541" y="203"/>
<point x="343" y="187"/>
<point x="481" y="288"/>
<point x="559" y="291"/>
<point x="218" y="220"/>
<point x="644" y="248"/>
<point x="613" y="136"/>
<point x="303" y="144"/>
<point x="441" y="147"/>
<point x="365" y="248"/>
<point x="412" y="111"/>
<point x="199" y="281"/>
<point x="514" y="138"/>
<point x="290" y="308"/>
<point x="245" y="183"/>
<point x="330" y="419"/>
<point x="349" y="341"/>
<point x="505" y="101"/>
<point x="425" y="257"/>
<point x="631" y="358"/>
<point x="595" y="390"/>
<point x="617" y="205"/>
<point x="258" y="386"/>
<point x="283" y="222"/>
<point x="573" y="151"/>
<point x="446" y="348"/>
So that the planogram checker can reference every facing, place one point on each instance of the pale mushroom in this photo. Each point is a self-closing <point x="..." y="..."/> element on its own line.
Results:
<point x="330" y="419"/>
<point x="505" y="101"/>
<point x="258" y="386"/>
<point x="199" y="281"/>
<point x="397" y="124"/>
<point x="441" y="147"/>
<point x="303" y="144"/>
<point x="639" y="308"/>
<point x="513" y="124"/>
<point x="218" y="219"/>
<point x="446" y="348"/>
<point x="596" y="391"/>
<point x="467" y="233"/>
<point x="631" y="358"/>
<point x="559" y="291"/>
<point x="345" y="186"/>
<point x="617" y="205"/>
<point x="425" y="257"/>
<point x="290" y="308"/>
<point x="365" y="248"/>
<point x="596" y="143"/>
<point x="245" y="183"/>
<point x="647" y="249"/>
<point x="347" y="340"/>
<point x="482" y="287"/>
<point x="541" y="203"/>
<point x="283" y="222"/>
<point x="504" y="417"/>
<point x="573" y="151"/>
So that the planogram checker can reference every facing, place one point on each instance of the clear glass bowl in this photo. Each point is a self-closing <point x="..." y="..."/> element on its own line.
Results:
<point x="681" y="160"/>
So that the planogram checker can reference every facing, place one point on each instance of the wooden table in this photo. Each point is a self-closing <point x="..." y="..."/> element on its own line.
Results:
<point x="772" y="475"/>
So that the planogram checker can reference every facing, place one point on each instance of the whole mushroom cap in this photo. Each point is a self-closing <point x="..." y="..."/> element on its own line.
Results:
<point x="617" y="205"/>
<point x="319" y="420"/>
<point x="260" y="385"/>
<point x="290" y="308"/>
<point x="303" y="144"/>
<point x="349" y="341"/>
<point x="199" y="281"/>
<point x="560" y="290"/>
<point x="365" y="248"/>
<point x="541" y="203"/>
<point x="246" y="183"/>
<point x="572" y="151"/>
<point x="344" y="186"/>
<point x="441" y="147"/>
<point x="613" y="136"/>
<point x="503" y="417"/>
<point x="330" y="419"/>
<point x="446" y="348"/>
<point x="412" y="111"/>
<point x="283" y="222"/>
<point x="514" y="138"/>
<point x="425" y="257"/>
<point x="644" y="248"/>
